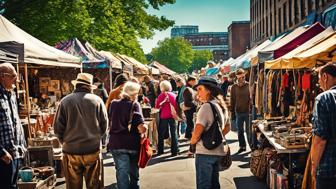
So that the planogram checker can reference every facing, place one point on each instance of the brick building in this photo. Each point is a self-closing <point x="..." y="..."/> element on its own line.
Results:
<point x="239" y="38"/>
<point x="216" y="42"/>
<point x="273" y="17"/>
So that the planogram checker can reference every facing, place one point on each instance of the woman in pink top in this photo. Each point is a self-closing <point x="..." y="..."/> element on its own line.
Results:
<point x="166" y="118"/>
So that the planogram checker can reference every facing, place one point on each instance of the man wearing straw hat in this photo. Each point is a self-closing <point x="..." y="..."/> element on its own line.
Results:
<point x="240" y="102"/>
<point x="80" y="122"/>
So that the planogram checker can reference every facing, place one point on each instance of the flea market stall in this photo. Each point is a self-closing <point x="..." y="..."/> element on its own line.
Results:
<point x="284" y="95"/>
<point x="36" y="60"/>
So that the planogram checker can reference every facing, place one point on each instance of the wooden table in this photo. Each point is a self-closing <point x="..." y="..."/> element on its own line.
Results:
<point x="282" y="150"/>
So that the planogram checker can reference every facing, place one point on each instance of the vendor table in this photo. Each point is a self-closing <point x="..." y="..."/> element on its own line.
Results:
<point x="47" y="183"/>
<point x="282" y="150"/>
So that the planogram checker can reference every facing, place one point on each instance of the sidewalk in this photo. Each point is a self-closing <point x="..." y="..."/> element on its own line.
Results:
<point x="165" y="172"/>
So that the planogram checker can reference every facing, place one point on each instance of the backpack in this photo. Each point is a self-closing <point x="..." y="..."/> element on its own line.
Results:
<point x="213" y="137"/>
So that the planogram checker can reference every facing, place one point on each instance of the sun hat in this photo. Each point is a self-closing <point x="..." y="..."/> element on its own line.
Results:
<point x="84" y="78"/>
<point x="209" y="82"/>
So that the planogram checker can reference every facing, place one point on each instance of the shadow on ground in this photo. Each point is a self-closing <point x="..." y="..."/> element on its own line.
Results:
<point x="247" y="182"/>
<point x="111" y="186"/>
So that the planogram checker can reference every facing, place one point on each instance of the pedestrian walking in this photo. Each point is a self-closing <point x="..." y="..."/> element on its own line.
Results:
<point x="240" y="105"/>
<point x="80" y="122"/>
<point x="189" y="105"/>
<point x="100" y="90"/>
<point x="165" y="102"/>
<point x="149" y="90"/>
<point x="126" y="128"/>
<point x="323" y="151"/>
<point x="12" y="140"/>
<point x="120" y="80"/>
<point x="207" y="161"/>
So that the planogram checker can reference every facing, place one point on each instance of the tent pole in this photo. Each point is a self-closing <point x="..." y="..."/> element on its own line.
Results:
<point x="110" y="73"/>
<point x="27" y="98"/>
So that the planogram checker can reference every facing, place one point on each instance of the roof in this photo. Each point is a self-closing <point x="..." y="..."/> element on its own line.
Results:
<point x="8" y="57"/>
<point x="324" y="51"/>
<point x="35" y="51"/>
<point x="163" y="69"/>
<point x="290" y="42"/>
<point x="285" y="61"/>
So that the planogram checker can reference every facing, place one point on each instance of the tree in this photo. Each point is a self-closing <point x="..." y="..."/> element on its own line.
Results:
<point x="201" y="57"/>
<point x="175" y="53"/>
<point x="112" y="25"/>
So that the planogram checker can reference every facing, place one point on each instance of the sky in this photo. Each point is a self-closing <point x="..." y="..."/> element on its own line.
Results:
<point x="209" y="15"/>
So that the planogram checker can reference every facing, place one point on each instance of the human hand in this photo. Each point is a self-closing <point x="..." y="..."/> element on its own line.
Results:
<point x="7" y="158"/>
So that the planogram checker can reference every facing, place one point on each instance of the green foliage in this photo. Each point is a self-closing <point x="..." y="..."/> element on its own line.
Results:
<point x="200" y="60"/>
<point x="111" y="25"/>
<point x="175" y="53"/>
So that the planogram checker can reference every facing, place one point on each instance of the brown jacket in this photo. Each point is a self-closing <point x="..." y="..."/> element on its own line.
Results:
<point x="240" y="98"/>
<point x="114" y="94"/>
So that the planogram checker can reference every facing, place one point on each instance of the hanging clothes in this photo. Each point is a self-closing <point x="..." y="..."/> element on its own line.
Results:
<point x="306" y="81"/>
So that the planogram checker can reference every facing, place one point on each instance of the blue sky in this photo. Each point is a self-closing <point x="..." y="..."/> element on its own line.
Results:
<point x="209" y="15"/>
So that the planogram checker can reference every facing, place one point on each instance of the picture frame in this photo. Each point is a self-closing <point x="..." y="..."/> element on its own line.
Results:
<point x="58" y="94"/>
<point x="44" y="81"/>
<point x="39" y="156"/>
<point x="54" y="85"/>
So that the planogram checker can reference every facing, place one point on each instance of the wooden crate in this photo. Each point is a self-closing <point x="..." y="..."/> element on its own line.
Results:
<point x="47" y="183"/>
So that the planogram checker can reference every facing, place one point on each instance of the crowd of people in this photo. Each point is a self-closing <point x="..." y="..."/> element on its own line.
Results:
<point x="188" y="107"/>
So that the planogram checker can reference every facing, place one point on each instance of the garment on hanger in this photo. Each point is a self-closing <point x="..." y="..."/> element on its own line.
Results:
<point x="306" y="81"/>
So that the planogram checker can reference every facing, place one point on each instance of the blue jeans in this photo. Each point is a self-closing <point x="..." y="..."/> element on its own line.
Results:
<point x="240" y="119"/>
<point x="207" y="171"/>
<point x="127" y="170"/>
<point x="9" y="173"/>
<point x="163" y="128"/>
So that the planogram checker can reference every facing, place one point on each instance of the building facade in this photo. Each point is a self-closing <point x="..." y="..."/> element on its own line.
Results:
<point x="274" y="17"/>
<point x="180" y="31"/>
<point x="216" y="42"/>
<point x="238" y="38"/>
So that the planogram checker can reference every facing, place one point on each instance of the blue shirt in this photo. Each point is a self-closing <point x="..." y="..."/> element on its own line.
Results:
<point x="324" y="126"/>
<point x="11" y="132"/>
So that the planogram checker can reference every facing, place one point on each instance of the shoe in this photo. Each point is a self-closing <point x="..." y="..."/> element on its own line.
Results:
<point x="241" y="149"/>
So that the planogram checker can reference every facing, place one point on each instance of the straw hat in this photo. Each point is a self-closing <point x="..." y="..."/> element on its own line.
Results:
<point x="84" y="78"/>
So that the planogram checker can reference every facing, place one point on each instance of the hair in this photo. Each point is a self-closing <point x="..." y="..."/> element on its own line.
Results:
<point x="120" y="80"/>
<point x="130" y="89"/>
<point x="165" y="86"/>
<point x="329" y="68"/>
<point x="165" y="77"/>
<point x="146" y="78"/>
<point x="134" y="79"/>
<point x="5" y="67"/>
<point x="216" y="95"/>
<point x="180" y="79"/>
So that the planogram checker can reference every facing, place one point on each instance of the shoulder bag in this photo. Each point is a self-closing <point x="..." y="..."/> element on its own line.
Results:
<point x="213" y="137"/>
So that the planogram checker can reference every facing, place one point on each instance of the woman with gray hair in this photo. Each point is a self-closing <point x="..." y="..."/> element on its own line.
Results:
<point x="126" y="129"/>
<point x="164" y="102"/>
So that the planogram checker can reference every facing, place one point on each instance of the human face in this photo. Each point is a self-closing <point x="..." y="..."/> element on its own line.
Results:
<point x="192" y="82"/>
<point x="203" y="93"/>
<point x="241" y="78"/>
<point x="8" y="78"/>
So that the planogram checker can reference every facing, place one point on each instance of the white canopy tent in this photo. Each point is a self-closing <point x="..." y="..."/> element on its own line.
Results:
<point x="35" y="51"/>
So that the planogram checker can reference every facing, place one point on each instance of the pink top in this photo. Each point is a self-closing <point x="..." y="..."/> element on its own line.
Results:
<point x="163" y="104"/>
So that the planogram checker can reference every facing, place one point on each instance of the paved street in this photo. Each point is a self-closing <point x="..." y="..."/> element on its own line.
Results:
<point x="165" y="172"/>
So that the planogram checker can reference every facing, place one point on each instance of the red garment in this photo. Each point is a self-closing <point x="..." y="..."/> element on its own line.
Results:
<point x="306" y="81"/>
<point x="284" y="83"/>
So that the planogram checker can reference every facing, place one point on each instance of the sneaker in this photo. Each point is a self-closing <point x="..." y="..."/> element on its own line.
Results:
<point x="241" y="149"/>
